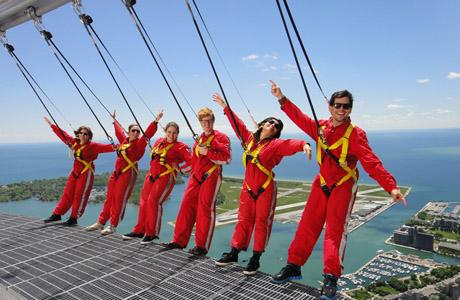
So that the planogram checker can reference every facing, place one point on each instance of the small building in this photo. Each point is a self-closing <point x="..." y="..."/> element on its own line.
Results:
<point x="449" y="247"/>
<point x="410" y="236"/>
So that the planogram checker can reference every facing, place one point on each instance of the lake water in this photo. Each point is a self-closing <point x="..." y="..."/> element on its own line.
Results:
<point x="427" y="160"/>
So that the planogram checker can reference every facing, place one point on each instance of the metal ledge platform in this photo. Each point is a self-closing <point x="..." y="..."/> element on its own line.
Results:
<point x="40" y="261"/>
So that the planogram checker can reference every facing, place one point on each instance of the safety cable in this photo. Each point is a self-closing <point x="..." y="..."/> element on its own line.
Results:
<point x="129" y="6"/>
<point x="223" y="63"/>
<point x="238" y="133"/>
<point x="319" y="129"/>
<point x="47" y="36"/>
<point x="164" y="64"/>
<point x="303" y="48"/>
<point x="23" y="71"/>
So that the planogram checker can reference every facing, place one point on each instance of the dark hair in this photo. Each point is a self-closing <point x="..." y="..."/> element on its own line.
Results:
<point x="261" y="124"/>
<point x="173" y="124"/>
<point x="341" y="94"/>
<point x="132" y="125"/>
<point x="90" y="132"/>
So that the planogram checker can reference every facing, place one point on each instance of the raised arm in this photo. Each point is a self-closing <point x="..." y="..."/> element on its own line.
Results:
<point x="239" y="126"/>
<point x="303" y="121"/>
<point x="61" y="134"/>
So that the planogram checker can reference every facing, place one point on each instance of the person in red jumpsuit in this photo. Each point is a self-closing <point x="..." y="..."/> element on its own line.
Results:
<point x="209" y="153"/>
<point x="122" y="180"/>
<point x="81" y="178"/>
<point x="167" y="154"/>
<point x="334" y="189"/>
<point x="263" y="151"/>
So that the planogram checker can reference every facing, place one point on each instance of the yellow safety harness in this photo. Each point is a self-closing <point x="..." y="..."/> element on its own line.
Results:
<point x="215" y="166"/>
<point x="162" y="156"/>
<point x="253" y="157"/>
<point x="131" y="164"/>
<point x="344" y="142"/>
<point x="77" y="154"/>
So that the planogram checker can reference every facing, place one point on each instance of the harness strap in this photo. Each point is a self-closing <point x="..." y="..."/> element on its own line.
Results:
<point x="254" y="158"/>
<point x="131" y="164"/>
<point x="77" y="154"/>
<point x="207" y="144"/>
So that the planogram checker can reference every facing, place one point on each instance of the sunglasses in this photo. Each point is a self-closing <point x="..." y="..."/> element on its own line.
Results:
<point x="83" y="133"/>
<point x="345" y="106"/>
<point x="273" y="122"/>
<point x="135" y="130"/>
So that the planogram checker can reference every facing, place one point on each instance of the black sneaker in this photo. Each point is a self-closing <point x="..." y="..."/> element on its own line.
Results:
<point x="329" y="289"/>
<point x="252" y="266"/>
<point x="70" y="222"/>
<point x="148" y="239"/>
<point x="172" y="245"/>
<point x="228" y="258"/>
<point x="131" y="235"/>
<point x="52" y="218"/>
<point x="198" y="251"/>
<point x="289" y="272"/>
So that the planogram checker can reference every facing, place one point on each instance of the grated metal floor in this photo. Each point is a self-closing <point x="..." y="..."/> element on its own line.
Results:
<point x="40" y="261"/>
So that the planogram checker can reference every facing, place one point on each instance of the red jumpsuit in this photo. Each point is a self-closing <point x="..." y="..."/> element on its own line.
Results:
<point x="81" y="178"/>
<point x="259" y="211"/>
<point x="124" y="177"/>
<point x="199" y="201"/>
<point x="157" y="187"/>
<point x="335" y="210"/>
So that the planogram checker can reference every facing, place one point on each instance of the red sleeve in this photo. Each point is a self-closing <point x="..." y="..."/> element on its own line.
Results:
<point x="119" y="132"/>
<point x="245" y="133"/>
<point x="372" y="164"/>
<point x="289" y="147"/>
<point x="186" y="156"/>
<point x="151" y="130"/>
<point x="219" y="152"/>
<point x="62" y="135"/>
<point x="303" y="121"/>
<point x="102" y="148"/>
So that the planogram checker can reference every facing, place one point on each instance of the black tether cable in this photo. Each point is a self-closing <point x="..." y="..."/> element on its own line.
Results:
<point x="303" y="48"/>
<point x="129" y="6"/>
<point x="24" y="70"/>
<point x="223" y="63"/>
<point x="48" y="39"/>
<point x="240" y="137"/>
<point x="87" y="20"/>
<point x="163" y="63"/>
<point x="319" y="130"/>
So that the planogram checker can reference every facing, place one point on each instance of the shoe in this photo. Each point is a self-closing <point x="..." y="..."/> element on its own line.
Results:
<point x="148" y="239"/>
<point x="108" y="230"/>
<point x="252" y="266"/>
<point x="95" y="226"/>
<point x="172" y="245"/>
<point x="52" y="218"/>
<point x="228" y="258"/>
<point x="131" y="235"/>
<point x="329" y="289"/>
<point x="198" y="251"/>
<point x="70" y="222"/>
<point x="289" y="272"/>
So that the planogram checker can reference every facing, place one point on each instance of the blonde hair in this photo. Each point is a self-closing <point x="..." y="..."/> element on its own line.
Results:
<point x="205" y="112"/>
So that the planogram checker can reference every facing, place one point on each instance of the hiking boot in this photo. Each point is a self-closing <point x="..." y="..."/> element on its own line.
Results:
<point x="289" y="272"/>
<point x="228" y="258"/>
<point x="95" y="226"/>
<point x="329" y="289"/>
<point x="132" y="235"/>
<point x="148" y="239"/>
<point x="70" y="222"/>
<point x="172" y="245"/>
<point x="198" y="251"/>
<point x="108" y="230"/>
<point x="252" y="266"/>
<point x="52" y="218"/>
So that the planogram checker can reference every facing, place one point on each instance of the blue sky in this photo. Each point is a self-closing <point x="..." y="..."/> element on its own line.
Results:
<point x="400" y="59"/>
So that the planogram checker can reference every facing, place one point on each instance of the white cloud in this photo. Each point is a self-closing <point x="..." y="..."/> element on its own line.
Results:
<point x="394" y="106"/>
<point x="271" y="56"/>
<point x="441" y="111"/>
<point x="423" y="81"/>
<point x="250" y="57"/>
<point x="453" y="75"/>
